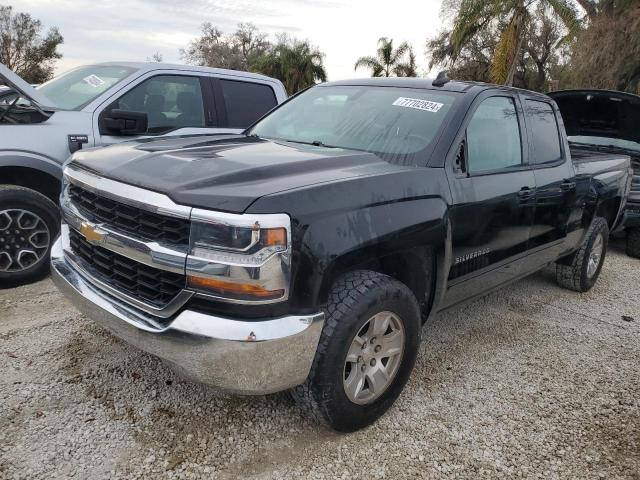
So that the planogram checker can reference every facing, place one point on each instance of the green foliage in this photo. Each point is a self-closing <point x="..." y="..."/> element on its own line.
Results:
<point x="542" y="56"/>
<point x="296" y="63"/>
<point x="473" y="17"/>
<point x="607" y="53"/>
<point x="24" y="49"/>
<point x="389" y="61"/>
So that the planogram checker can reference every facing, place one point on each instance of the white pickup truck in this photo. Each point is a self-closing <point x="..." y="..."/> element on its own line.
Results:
<point x="99" y="105"/>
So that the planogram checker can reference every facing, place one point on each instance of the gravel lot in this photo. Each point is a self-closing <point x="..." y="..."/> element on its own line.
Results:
<point x="531" y="381"/>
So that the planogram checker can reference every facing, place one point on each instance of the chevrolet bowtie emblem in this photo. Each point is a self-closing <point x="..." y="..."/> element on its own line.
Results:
<point x="91" y="233"/>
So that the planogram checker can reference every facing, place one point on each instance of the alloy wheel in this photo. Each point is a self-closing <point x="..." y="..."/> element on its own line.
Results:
<point x="595" y="256"/>
<point x="374" y="358"/>
<point x="24" y="240"/>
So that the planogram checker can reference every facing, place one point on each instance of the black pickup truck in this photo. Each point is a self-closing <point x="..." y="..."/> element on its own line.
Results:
<point x="306" y="253"/>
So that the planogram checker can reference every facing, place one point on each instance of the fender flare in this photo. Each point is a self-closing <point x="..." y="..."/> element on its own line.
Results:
<point x="423" y="229"/>
<point x="28" y="159"/>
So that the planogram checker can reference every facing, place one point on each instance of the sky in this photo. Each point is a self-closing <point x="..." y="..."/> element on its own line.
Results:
<point x="134" y="30"/>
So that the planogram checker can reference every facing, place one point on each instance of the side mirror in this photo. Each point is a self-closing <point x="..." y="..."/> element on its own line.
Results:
<point x="460" y="165"/>
<point x="124" y="122"/>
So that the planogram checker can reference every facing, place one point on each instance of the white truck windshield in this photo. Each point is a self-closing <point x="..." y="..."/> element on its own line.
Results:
<point x="76" y="88"/>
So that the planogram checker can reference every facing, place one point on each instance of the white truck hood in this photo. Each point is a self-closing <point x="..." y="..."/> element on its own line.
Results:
<point x="24" y="88"/>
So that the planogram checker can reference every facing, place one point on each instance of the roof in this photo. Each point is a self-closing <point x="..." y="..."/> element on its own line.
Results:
<point x="405" y="82"/>
<point x="150" y="66"/>
<point x="427" y="83"/>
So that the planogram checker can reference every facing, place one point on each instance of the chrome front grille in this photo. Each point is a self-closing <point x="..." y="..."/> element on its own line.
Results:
<point x="132" y="220"/>
<point x="128" y="242"/>
<point x="151" y="285"/>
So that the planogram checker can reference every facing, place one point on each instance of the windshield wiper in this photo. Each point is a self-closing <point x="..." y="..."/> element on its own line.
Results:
<point x="318" y="143"/>
<point x="315" y="143"/>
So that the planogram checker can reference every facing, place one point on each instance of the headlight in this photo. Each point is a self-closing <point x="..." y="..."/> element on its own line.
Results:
<point x="240" y="258"/>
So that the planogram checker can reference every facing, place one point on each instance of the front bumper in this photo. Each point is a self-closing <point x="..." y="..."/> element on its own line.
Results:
<point x="247" y="357"/>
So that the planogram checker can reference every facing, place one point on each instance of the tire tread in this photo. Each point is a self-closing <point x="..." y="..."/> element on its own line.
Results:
<point x="570" y="276"/>
<point x="346" y="292"/>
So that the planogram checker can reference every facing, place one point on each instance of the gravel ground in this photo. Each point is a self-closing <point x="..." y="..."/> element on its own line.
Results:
<point x="531" y="381"/>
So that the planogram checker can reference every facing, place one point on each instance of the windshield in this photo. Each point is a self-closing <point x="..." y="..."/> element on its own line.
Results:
<point x="74" y="89"/>
<point x="605" y="142"/>
<point x="395" y="123"/>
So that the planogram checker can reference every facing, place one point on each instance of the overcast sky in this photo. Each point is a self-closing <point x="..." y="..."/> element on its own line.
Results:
<point x="108" y="30"/>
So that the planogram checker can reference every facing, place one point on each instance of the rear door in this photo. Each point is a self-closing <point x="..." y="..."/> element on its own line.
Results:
<point x="493" y="190"/>
<point x="558" y="212"/>
<point x="240" y="102"/>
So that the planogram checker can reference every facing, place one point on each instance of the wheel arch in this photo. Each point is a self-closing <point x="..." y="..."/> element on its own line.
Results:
<point x="414" y="267"/>
<point x="32" y="171"/>
<point x="404" y="240"/>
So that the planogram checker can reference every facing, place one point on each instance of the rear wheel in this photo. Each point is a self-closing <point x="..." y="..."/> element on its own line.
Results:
<point x="581" y="270"/>
<point x="29" y="223"/>
<point x="633" y="242"/>
<point x="366" y="352"/>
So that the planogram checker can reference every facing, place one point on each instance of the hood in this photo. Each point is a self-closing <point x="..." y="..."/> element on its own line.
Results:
<point x="24" y="88"/>
<point x="600" y="113"/>
<point x="225" y="172"/>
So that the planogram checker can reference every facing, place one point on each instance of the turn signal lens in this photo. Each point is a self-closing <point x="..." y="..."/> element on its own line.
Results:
<point x="275" y="237"/>
<point x="239" y="291"/>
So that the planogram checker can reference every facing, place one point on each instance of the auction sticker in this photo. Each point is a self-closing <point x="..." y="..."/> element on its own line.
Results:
<point x="93" y="80"/>
<point x="418" y="104"/>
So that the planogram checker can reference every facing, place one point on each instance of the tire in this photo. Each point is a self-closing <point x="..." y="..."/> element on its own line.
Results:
<point x="357" y="301"/>
<point x="575" y="272"/>
<point x="633" y="242"/>
<point x="37" y="223"/>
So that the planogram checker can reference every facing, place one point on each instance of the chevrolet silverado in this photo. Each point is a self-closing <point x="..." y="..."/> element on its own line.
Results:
<point x="307" y="252"/>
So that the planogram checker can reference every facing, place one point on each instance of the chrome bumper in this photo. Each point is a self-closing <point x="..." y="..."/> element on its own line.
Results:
<point x="247" y="357"/>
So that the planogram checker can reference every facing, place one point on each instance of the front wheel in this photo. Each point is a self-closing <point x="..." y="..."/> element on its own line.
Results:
<point x="366" y="352"/>
<point x="29" y="223"/>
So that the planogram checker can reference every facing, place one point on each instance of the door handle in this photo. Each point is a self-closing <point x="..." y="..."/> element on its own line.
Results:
<point x="526" y="193"/>
<point x="568" y="185"/>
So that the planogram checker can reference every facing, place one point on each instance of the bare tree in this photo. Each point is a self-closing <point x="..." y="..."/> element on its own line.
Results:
<point x="156" y="57"/>
<point x="237" y="51"/>
<point x="23" y="47"/>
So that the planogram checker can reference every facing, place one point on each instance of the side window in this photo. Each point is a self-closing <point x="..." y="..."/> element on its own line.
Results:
<point x="545" y="137"/>
<point x="493" y="136"/>
<point x="246" y="102"/>
<point x="170" y="102"/>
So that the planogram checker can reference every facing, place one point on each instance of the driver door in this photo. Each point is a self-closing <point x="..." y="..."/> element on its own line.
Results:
<point x="173" y="104"/>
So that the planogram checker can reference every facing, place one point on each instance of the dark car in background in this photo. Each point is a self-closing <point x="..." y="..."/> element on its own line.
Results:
<point x="609" y="122"/>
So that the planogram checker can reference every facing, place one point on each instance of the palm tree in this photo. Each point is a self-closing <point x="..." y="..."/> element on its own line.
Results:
<point x="388" y="60"/>
<point x="295" y="63"/>
<point x="477" y="15"/>
<point x="408" y="68"/>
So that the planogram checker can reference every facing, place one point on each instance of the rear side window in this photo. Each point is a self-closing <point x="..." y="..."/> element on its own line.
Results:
<point x="493" y="136"/>
<point x="545" y="138"/>
<point x="246" y="102"/>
